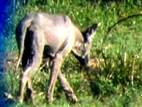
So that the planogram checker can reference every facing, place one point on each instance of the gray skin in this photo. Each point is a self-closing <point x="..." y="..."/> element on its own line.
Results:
<point x="34" y="32"/>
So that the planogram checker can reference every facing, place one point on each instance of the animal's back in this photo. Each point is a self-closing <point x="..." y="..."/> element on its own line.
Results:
<point x="57" y="29"/>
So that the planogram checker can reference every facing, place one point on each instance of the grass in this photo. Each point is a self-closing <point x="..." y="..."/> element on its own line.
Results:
<point x="117" y="80"/>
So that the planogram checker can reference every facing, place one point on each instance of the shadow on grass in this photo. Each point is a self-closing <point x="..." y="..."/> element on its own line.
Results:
<point x="92" y="76"/>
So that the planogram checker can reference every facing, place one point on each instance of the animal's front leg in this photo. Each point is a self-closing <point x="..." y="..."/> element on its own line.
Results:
<point x="54" y="74"/>
<point x="67" y="88"/>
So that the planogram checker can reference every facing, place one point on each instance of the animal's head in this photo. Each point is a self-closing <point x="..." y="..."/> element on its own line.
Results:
<point x="85" y="47"/>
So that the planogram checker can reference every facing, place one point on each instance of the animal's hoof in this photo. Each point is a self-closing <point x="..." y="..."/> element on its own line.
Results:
<point x="20" y="99"/>
<point x="74" y="99"/>
<point x="33" y="94"/>
<point x="50" y="99"/>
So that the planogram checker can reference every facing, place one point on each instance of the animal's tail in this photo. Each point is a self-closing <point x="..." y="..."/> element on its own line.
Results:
<point x="21" y="31"/>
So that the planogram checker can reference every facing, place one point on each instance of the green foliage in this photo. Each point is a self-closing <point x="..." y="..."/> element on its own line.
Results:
<point x="117" y="81"/>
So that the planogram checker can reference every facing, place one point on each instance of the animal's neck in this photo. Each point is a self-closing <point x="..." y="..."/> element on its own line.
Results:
<point x="79" y="35"/>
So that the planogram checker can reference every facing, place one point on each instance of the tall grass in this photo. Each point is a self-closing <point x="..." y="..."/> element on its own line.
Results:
<point x="117" y="80"/>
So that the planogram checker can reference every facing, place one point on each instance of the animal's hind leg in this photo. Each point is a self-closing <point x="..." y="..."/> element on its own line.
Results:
<point x="26" y="77"/>
<point x="37" y="46"/>
<point x="33" y="92"/>
<point x="24" y="80"/>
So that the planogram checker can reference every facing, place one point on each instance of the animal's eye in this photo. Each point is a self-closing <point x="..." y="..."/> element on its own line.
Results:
<point x="85" y="46"/>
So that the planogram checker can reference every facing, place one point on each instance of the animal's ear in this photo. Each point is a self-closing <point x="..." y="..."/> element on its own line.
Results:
<point x="93" y="28"/>
<point x="90" y="32"/>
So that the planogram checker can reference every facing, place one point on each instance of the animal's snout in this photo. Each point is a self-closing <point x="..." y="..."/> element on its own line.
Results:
<point x="84" y="61"/>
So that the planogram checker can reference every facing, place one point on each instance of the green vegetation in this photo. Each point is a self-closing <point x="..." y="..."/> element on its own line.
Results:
<point x="117" y="81"/>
